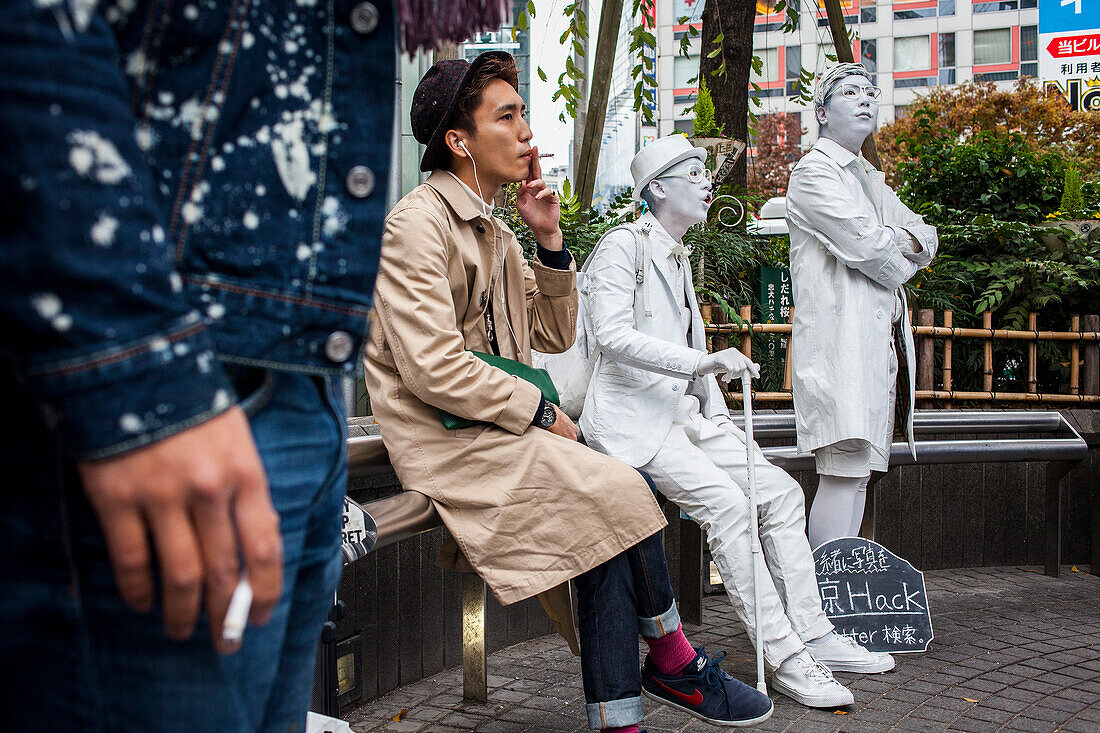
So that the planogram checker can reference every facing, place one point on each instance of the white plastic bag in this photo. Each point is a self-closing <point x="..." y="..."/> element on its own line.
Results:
<point x="571" y="370"/>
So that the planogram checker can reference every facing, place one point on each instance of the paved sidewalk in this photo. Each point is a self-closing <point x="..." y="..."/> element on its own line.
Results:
<point x="1014" y="650"/>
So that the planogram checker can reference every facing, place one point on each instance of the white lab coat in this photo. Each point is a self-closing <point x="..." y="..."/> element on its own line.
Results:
<point x="643" y="366"/>
<point x="847" y="268"/>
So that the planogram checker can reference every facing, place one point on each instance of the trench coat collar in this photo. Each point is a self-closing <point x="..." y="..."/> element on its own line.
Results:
<point x="455" y="193"/>
<point x="842" y="155"/>
<point x="870" y="178"/>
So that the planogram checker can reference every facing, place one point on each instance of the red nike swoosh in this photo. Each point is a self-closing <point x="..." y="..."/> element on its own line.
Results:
<point x="696" y="699"/>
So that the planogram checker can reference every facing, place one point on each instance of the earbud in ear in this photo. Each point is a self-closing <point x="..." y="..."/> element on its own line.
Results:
<point x="462" y="144"/>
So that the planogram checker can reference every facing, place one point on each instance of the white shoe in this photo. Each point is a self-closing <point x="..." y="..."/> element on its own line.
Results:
<point x="804" y="679"/>
<point x="842" y="654"/>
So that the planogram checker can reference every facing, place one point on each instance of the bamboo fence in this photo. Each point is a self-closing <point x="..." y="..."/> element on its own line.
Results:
<point x="1083" y="346"/>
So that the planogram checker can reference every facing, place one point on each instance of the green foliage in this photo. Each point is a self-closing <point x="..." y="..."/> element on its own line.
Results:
<point x="575" y="32"/>
<point x="704" y="124"/>
<point x="643" y="46"/>
<point x="1073" y="197"/>
<point x="986" y="195"/>
<point x="989" y="174"/>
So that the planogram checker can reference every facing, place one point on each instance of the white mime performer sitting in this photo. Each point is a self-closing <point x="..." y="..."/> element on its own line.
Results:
<point x="853" y="245"/>
<point x="654" y="403"/>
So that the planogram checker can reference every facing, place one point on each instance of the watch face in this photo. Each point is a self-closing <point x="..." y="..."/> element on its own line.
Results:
<point x="549" y="416"/>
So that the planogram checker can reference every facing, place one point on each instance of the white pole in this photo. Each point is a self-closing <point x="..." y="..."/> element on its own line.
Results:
<point x="754" y="535"/>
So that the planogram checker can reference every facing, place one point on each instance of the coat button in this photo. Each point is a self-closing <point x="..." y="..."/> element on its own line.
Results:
<point x="675" y="388"/>
<point x="364" y="18"/>
<point x="338" y="346"/>
<point x="360" y="181"/>
<point x="480" y="228"/>
<point x="878" y="315"/>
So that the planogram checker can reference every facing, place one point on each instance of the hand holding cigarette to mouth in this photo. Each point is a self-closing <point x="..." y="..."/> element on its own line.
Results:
<point x="538" y="205"/>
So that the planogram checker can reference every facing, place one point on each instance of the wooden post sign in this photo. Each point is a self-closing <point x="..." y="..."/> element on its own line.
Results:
<point x="873" y="596"/>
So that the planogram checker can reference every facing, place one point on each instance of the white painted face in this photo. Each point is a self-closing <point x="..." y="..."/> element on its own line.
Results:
<point x="849" y="116"/>
<point x="687" y="195"/>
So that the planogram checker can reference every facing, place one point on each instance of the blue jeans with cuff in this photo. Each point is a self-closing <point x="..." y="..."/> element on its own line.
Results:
<point x="87" y="662"/>
<point x="628" y="595"/>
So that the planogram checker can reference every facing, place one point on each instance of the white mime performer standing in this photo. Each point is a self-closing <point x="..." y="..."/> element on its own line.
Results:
<point x="853" y="245"/>
<point x="654" y="403"/>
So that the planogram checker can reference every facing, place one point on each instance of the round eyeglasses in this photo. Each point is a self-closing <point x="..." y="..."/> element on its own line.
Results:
<point x="853" y="91"/>
<point x="696" y="174"/>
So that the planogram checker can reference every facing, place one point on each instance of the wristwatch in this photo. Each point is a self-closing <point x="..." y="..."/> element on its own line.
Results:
<point x="548" y="416"/>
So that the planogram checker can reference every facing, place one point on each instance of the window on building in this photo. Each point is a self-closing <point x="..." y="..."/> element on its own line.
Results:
<point x="993" y="46"/>
<point x="912" y="13"/>
<point x="1029" y="43"/>
<point x="769" y="66"/>
<point x="823" y="59"/>
<point x="996" y="7"/>
<point x="947" y="49"/>
<point x="684" y="71"/>
<point x="912" y="53"/>
<point x="996" y="76"/>
<point x="947" y="7"/>
<point x="868" y="54"/>
<point x="946" y="43"/>
<point x="794" y="69"/>
<point x="867" y="11"/>
<point x="794" y="61"/>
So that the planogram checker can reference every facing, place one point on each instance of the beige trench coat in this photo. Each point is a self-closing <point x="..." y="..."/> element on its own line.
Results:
<point x="528" y="509"/>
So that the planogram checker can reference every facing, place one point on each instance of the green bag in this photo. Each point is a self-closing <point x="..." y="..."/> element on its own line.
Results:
<point x="538" y="377"/>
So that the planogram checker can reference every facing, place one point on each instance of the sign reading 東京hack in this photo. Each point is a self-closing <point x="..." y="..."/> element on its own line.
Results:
<point x="873" y="596"/>
<point x="1069" y="50"/>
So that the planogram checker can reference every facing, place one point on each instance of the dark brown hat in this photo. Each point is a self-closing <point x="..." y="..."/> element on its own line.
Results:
<point x="435" y="100"/>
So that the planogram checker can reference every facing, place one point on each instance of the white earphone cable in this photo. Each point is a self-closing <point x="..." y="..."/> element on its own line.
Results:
<point x="498" y="238"/>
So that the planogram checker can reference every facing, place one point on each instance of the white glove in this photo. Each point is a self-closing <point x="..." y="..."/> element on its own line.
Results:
<point x="725" y="423"/>
<point x="727" y="365"/>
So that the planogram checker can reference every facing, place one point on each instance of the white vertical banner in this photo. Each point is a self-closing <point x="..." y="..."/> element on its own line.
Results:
<point x="1069" y="50"/>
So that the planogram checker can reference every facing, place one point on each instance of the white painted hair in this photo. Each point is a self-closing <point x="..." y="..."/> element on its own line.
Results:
<point x="834" y="76"/>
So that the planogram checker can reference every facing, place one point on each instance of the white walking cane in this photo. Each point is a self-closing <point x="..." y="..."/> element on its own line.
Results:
<point x="757" y="559"/>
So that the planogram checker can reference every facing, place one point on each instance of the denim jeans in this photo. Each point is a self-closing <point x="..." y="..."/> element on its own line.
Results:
<point x="630" y="594"/>
<point x="88" y="663"/>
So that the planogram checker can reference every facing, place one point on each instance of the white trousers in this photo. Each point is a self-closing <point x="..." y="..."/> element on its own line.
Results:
<point x="703" y="470"/>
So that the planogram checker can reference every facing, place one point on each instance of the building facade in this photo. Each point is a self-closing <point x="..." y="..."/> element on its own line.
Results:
<point x="909" y="46"/>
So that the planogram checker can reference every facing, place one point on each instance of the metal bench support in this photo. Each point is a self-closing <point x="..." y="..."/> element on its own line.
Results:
<point x="691" y="573"/>
<point x="474" y="682"/>
<point x="1052" y="552"/>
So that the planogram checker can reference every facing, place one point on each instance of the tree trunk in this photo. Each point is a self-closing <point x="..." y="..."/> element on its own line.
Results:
<point x="733" y="19"/>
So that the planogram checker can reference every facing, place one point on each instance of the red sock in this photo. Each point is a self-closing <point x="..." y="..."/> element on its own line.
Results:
<point x="671" y="652"/>
<point x="624" y="729"/>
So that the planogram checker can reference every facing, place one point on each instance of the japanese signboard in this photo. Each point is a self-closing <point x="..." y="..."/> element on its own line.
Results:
<point x="775" y="305"/>
<point x="873" y="596"/>
<point x="1069" y="50"/>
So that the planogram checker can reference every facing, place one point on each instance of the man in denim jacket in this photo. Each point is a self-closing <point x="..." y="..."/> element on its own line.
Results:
<point x="192" y="196"/>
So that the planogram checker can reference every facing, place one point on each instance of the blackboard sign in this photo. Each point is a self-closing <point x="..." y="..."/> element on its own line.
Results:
<point x="873" y="596"/>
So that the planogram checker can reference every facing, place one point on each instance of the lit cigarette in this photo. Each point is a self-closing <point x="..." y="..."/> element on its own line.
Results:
<point x="546" y="155"/>
<point x="236" y="616"/>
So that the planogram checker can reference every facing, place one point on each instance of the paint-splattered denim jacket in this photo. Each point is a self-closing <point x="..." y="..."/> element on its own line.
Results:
<point x="183" y="182"/>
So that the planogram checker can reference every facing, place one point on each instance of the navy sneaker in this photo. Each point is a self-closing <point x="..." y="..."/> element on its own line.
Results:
<point x="702" y="689"/>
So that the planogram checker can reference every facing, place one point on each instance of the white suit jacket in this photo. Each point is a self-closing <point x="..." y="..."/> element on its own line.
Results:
<point x="644" y="364"/>
<point x="847" y="269"/>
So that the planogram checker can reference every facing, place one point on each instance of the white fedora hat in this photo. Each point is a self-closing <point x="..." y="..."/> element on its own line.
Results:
<point x="660" y="155"/>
